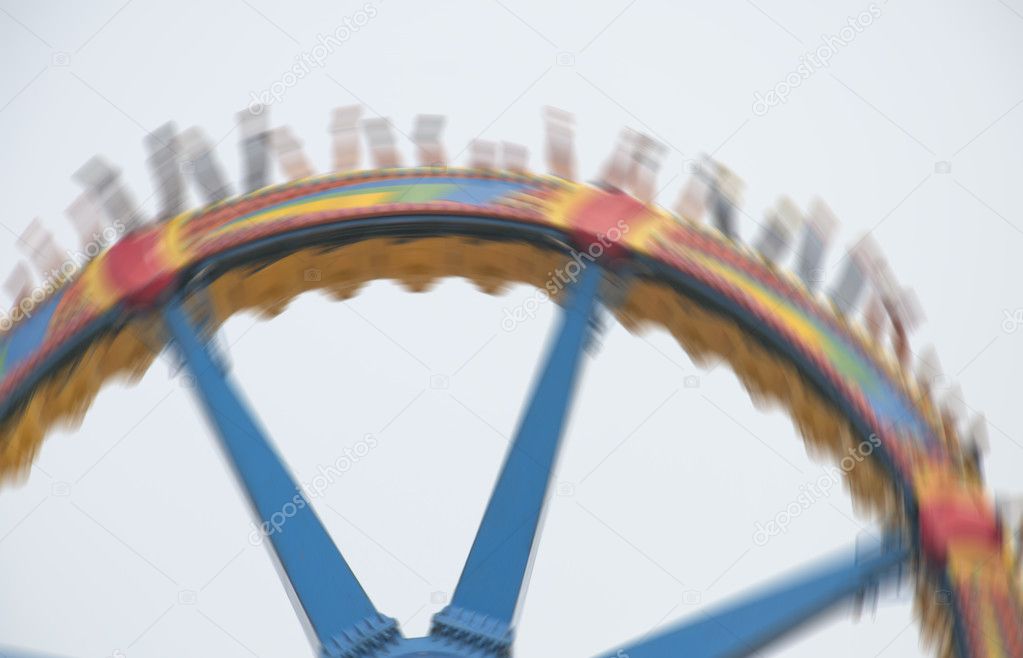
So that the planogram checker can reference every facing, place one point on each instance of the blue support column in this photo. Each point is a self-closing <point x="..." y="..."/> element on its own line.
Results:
<point x="749" y="625"/>
<point x="341" y="615"/>
<point x="483" y="605"/>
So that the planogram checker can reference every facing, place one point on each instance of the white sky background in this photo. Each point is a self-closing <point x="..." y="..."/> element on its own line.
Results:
<point x="147" y="554"/>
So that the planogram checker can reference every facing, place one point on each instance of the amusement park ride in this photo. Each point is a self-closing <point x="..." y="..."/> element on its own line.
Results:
<point x="846" y="377"/>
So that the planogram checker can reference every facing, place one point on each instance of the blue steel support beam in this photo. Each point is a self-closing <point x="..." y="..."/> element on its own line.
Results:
<point x="341" y="615"/>
<point x="483" y="605"/>
<point x="751" y="624"/>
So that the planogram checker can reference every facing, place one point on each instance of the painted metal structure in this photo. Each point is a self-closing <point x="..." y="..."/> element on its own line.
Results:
<point x="716" y="296"/>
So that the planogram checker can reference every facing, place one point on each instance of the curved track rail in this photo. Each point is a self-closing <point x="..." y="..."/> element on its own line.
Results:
<point x="848" y="395"/>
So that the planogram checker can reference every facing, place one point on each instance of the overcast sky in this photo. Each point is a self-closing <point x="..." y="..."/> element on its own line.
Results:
<point x="129" y="537"/>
